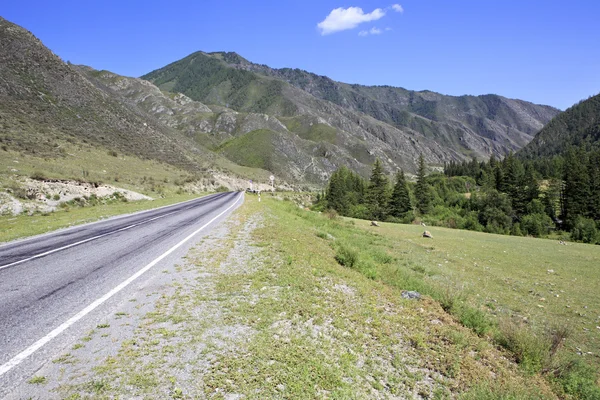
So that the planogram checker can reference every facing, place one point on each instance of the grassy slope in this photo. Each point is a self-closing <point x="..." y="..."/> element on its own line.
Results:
<point x="93" y="164"/>
<point x="310" y="131"/>
<point x="254" y="149"/>
<point x="508" y="275"/>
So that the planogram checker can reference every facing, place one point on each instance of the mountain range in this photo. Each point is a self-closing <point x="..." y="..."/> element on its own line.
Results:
<point x="218" y="111"/>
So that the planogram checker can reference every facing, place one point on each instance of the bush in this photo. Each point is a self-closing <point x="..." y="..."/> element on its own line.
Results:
<point x="531" y="351"/>
<point x="474" y="319"/>
<point x="359" y="211"/>
<point x="516" y="229"/>
<point x="346" y="256"/>
<point x="536" y="224"/>
<point x="584" y="230"/>
<point x="448" y="297"/>
<point x="578" y="379"/>
<point x="331" y="214"/>
<point x="367" y="268"/>
<point x="38" y="176"/>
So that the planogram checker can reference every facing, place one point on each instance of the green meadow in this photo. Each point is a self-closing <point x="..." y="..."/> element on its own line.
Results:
<point x="536" y="298"/>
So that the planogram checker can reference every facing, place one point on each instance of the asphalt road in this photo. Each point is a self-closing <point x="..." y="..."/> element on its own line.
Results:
<point x="53" y="287"/>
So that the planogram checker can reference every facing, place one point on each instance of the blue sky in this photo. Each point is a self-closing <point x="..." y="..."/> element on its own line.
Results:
<point x="544" y="51"/>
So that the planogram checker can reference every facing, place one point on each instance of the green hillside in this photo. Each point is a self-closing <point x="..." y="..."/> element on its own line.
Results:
<point x="254" y="149"/>
<point x="577" y="126"/>
<point x="208" y="79"/>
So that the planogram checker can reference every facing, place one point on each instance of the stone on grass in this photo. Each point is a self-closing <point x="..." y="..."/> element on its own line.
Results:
<point x="409" y="294"/>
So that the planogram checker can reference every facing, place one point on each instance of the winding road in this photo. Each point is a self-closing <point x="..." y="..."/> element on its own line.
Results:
<point x="53" y="287"/>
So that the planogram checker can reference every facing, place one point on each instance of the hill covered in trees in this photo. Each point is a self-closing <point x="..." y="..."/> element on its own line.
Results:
<point x="579" y="126"/>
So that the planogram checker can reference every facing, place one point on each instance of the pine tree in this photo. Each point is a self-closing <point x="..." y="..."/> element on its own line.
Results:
<point x="400" y="203"/>
<point x="594" y="182"/>
<point x="336" y="192"/>
<point x="576" y="192"/>
<point x="378" y="192"/>
<point x="530" y="184"/>
<point x="422" y="192"/>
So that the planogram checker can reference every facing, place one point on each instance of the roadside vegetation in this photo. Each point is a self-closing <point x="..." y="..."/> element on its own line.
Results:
<point x="87" y="164"/>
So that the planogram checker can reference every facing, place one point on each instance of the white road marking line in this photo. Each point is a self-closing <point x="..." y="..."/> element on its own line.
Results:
<point x="82" y="241"/>
<point x="16" y="360"/>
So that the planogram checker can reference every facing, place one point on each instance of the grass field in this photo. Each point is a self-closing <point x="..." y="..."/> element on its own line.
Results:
<point x="536" y="280"/>
<point x="535" y="297"/>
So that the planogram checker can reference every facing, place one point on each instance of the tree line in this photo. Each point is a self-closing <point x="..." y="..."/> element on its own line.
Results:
<point x="558" y="197"/>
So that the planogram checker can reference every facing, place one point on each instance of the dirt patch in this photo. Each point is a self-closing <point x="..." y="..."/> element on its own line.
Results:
<point x="30" y="195"/>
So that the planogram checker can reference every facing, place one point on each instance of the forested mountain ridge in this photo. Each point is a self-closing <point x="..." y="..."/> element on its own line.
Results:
<point x="577" y="126"/>
<point x="464" y="126"/>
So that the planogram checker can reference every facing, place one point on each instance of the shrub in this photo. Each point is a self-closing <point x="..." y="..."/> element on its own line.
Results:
<point x="19" y="192"/>
<point x="408" y="217"/>
<point x="474" y="319"/>
<point x="516" y="229"/>
<point x="322" y="235"/>
<point x="367" y="268"/>
<point x="382" y="257"/>
<point x="448" y="297"/>
<point x="584" y="230"/>
<point x="359" y="211"/>
<point x="536" y="224"/>
<point x="331" y="214"/>
<point x="38" y="176"/>
<point x="578" y="379"/>
<point x="346" y="256"/>
<point x="531" y="350"/>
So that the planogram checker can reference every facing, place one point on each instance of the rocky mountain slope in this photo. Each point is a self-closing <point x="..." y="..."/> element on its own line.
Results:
<point x="45" y="102"/>
<point x="303" y="148"/>
<point x="461" y="126"/>
<point x="577" y="126"/>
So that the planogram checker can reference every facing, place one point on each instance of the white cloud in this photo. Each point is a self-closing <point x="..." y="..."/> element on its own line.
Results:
<point x="341" y="19"/>
<point x="397" y="8"/>
<point x="372" y="31"/>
